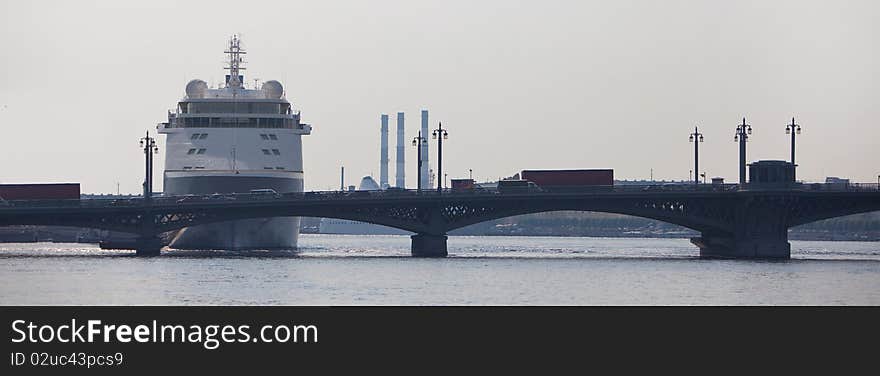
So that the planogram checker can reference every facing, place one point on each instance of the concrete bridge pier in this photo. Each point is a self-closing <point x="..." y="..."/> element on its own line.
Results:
<point x="758" y="230"/>
<point x="427" y="245"/>
<point x="148" y="246"/>
<point x="715" y="246"/>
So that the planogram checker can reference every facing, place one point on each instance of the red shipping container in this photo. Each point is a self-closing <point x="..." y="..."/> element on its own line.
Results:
<point x="549" y="178"/>
<point x="59" y="191"/>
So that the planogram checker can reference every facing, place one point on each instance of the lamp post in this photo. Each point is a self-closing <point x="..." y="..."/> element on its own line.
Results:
<point x="793" y="129"/>
<point x="471" y="174"/>
<point x="440" y="134"/>
<point x="743" y="132"/>
<point x="696" y="138"/>
<point x="703" y="175"/>
<point x="417" y="143"/>
<point x="149" y="145"/>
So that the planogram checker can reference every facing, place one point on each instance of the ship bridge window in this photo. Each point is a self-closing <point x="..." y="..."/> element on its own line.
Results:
<point x="236" y="107"/>
<point x="264" y="136"/>
<point x="191" y="151"/>
<point x="236" y="122"/>
<point x="266" y="151"/>
<point x="276" y="152"/>
<point x="195" y="136"/>
<point x="202" y="108"/>
<point x="267" y="168"/>
<point x="196" y="122"/>
<point x="203" y="136"/>
<point x="187" y="167"/>
<point x="201" y="151"/>
<point x="264" y="108"/>
<point x="272" y="136"/>
<point x="279" y="168"/>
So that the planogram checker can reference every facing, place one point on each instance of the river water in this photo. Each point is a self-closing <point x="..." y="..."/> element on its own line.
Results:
<point x="481" y="270"/>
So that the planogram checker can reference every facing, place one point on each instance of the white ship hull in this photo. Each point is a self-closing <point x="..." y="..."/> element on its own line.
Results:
<point x="233" y="139"/>
<point x="261" y="233"/>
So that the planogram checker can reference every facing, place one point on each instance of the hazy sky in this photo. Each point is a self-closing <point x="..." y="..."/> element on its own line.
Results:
<point x="519" y="84"/>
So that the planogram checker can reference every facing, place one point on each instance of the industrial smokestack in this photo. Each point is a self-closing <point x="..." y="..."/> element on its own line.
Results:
<point x="401" y="175"/>
<point x="342" y="178"/>
<point x="425" y="167"/>
<point x="383" y="159"/>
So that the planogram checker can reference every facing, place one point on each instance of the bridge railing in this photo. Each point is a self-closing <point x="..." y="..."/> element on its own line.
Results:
<point x="411" y="193"/>
<point x="841" y="187"/>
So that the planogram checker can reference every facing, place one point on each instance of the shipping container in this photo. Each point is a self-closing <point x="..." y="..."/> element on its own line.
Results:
<point x="59" y="191"/>
<point x="558" y="178"/>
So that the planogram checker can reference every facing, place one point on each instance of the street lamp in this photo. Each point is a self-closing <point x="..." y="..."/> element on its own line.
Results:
<point x="703" y="175"/>
<point x="696" y="138"/>
<point x="417" y="143"/>
<point x="743" y="132"/>
<point x="471" y="174"/>
<point x="149" y="145"/>
<point x="440" y="134"/>
<point x="792" y="129"/>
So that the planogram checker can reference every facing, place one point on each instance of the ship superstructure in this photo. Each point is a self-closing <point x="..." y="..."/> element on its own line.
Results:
<point x="234" y="139"/>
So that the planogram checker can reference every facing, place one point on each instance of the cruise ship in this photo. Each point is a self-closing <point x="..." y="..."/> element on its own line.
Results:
<point x="234" y="139"/>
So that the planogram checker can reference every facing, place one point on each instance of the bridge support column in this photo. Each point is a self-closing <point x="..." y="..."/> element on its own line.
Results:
<point x="756" y="245"/>
<point x="425" y="245"/>
<point x="148" y="246"/>
<point x="759" y="231"/>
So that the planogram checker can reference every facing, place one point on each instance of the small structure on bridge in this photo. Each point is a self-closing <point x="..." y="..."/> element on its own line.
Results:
<point x="770" y="173"/>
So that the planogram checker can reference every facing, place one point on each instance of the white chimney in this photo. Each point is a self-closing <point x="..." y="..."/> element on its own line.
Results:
<point x="401" y="180"/>
<point x="426" y="183"/>
<point x="383" y="159"/>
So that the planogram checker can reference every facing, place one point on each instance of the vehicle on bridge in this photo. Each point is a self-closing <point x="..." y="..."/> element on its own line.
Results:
<point x="462" y="184"/>
<point x="187" y="198"/>
<point x="52" y="191"/>
<point x="221" y="196"/>
<point x="125" y="201"/>
<point x="466" y="185"/>
<point x="517" y="186"/>
<point x="265" y="192"/>
<point x="568" y="180"/>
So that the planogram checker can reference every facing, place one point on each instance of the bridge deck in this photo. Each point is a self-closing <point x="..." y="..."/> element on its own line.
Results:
<point x="397" y="196"/>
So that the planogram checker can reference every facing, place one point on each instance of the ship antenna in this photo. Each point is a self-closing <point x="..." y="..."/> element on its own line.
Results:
<point x="234" y="81"/>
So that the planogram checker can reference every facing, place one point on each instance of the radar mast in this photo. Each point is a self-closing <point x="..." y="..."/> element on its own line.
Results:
<point x="234" y="80"/>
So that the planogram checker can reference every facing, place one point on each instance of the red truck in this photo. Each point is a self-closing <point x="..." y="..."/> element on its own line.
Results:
<point x="57" y="191"/>
<point x="462" y="184"/>
<point x="569" y="178"/>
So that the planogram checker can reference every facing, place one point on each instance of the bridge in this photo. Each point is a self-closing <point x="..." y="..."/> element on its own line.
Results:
<point x="735" y="221"/>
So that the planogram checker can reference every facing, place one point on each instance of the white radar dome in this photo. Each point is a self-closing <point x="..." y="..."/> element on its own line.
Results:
<point x="196" y="89"/>
<point x="273" y="89"/>
<point x="368" y="184"/>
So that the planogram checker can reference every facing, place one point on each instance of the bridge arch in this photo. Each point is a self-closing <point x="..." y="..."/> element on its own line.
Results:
<point x="438" y="219"/>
